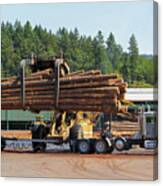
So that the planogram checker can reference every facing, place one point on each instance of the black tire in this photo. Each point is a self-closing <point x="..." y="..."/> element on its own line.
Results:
<point x="84" y="146"/>
<point x="110" y="149"/>
<point x="128" y="146"/>
<point x="39" y="132"/>
<point x="74" y="133"/>
<point x="3" y="143"/>
<point x="100" y="146"/>
<point x="141" y="145"/>
<point x="120" y="144"/>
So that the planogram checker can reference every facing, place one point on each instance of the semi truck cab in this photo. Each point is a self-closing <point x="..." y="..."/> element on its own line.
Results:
<point x="148" y="128"/>
<point x="146" y="137"/>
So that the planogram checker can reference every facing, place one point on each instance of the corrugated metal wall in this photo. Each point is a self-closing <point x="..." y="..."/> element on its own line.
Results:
<point x="19" y="120"/>
<point x="18" y="115"/>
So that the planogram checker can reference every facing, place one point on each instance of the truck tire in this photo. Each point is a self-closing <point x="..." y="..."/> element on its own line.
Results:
<point x="120" y="144"/>
<point x="84" y="146"/>
<point x="3" y="143"/>
<point x="100" y="146"/>
<point x="74" y="133"/>
<point x="110" y="149"/>
<point x="39" y="132"/>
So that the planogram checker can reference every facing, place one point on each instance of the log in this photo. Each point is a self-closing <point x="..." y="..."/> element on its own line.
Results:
<point x="82" y="73"/>
<point x="64" y="86"/>
<point x="86" y="79"/>
<point x="87" y="91"/>
<point x="45" y="73"/>
<point x="109" y="109"/>
<point x="69" y="101"/>
<point x="76" y="73"/>
<point x="42" y="74"/>
<point x="49" y="73"/>
<point x="91" y="72"/>
<point x="61" y="96"/>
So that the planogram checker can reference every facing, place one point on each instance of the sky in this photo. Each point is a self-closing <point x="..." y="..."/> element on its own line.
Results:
<point x="120" y="18"/>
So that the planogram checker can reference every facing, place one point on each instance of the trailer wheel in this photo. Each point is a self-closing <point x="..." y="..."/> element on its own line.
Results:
<point x="3" y="143"/>
<point x="100" y="146"/>
<point x="120" y="144"/>
<point x="110" y="149"/>
<point x="39" y="132"/>
<point x="84" y="146"/>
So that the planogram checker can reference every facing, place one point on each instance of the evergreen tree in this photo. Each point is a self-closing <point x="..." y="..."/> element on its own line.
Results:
<point x="124" y="69"/>
<point x="7" y="50"/>
<point x="133" y="57"/>
<point x="114" y="51"/>
<point x="81" y="52"/>
<point x="100" y="55"/>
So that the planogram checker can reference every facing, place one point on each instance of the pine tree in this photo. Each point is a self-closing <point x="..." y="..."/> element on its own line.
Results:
<point x="7" y="50"/>
<point x="114" y="51"/>
<point x="133" y="57"/>
<point x="100" y="55"/>
<point x="125" y="68"/>
<point x="82" y="52"/>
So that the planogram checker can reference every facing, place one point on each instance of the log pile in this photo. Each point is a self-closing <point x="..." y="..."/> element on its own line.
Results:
<point x="85" y="91"/>
<point x="124" y="128"/>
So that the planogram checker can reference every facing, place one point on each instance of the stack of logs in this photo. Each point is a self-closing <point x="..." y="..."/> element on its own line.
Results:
<point x="126" y="128"/>
<point x="85" y="91"/>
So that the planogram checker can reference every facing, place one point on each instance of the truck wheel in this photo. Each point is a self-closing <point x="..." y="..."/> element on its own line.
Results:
<point x="110" y="149"/>
<point x="3" y="143"/>
<point x="84" y="146"/>
<point x="39" y="132"/>
<point x="100" y="146"/>
<point x="120" y="144"/>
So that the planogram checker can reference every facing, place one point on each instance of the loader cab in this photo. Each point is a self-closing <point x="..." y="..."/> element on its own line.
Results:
<point x="61" y="122"/>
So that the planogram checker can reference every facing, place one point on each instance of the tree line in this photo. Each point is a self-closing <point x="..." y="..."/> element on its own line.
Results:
<point x="82" y="52"/>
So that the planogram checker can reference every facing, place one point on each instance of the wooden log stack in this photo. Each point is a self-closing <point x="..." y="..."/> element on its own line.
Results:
<point x="85" y="91"/>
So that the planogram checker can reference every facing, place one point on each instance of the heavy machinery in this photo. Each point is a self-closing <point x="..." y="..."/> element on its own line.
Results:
<point x="84" y="131"/>
<point x="77" y="129"/>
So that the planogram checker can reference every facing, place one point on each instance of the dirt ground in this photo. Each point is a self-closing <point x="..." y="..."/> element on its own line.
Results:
<point x="67" y="165"/>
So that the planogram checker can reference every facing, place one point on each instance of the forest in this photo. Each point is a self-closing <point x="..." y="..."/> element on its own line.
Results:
<point x="20" y="41"/>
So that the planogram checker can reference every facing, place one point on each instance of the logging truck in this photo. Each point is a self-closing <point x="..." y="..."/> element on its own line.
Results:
<point x="88" y="132"/>
<point x="81" y="129"/>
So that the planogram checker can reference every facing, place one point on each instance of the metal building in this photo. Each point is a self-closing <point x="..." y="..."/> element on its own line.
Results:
<point x="140" y="95"/>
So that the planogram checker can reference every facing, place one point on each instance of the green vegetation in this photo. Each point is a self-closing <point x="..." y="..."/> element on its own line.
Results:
<point x="82" y="52"/>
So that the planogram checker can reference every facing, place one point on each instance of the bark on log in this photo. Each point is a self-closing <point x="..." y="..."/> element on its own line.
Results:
<point x="87" y="91"/>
